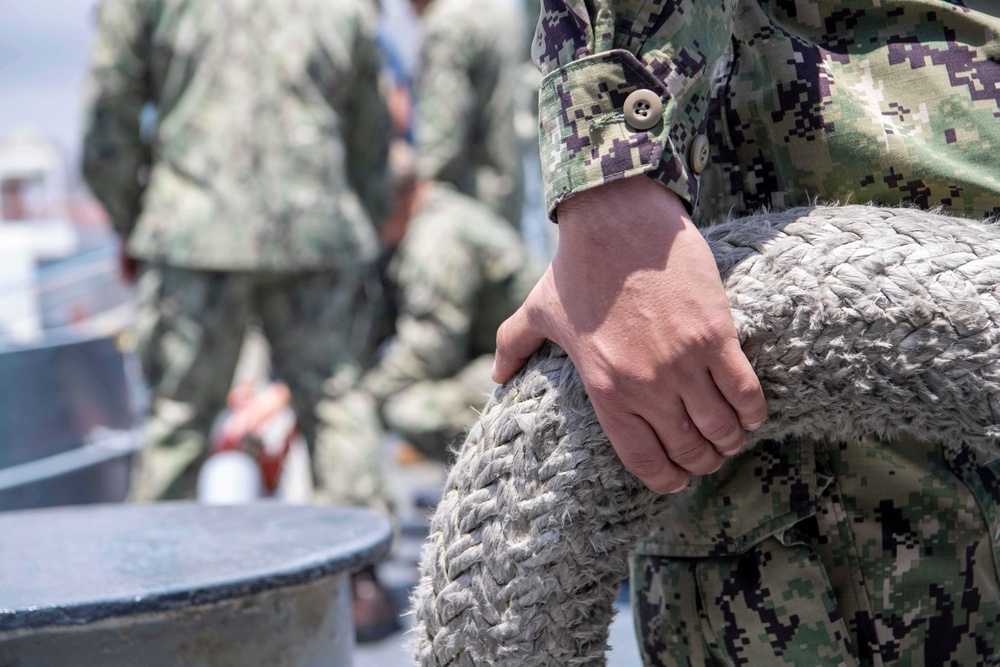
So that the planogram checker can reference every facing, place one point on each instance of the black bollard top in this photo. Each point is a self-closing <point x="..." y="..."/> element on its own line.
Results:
<point x="77" y="565"/>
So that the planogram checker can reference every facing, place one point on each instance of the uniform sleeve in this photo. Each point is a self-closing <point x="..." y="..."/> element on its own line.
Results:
<point x="445" y="102"/>
<point x="114" y="153"/>
<point x="594" y="54"/>
<point x="367" y="131"/>
<point x="439" y="278"/>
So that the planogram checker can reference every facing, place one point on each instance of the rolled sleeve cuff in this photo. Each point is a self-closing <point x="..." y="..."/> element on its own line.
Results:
<point x="584" y="139"/>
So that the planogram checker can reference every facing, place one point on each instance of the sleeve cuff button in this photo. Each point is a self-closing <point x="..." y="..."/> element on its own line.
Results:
<point x="643" y="109"/>
<point x="699" y="154"/>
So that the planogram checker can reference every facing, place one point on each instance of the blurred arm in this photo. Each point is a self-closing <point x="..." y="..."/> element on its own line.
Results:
<point x="439" y="279"/>
<point x="446" y="102"/>
<point x="117" y="89"/>
<point x="368" y="128"/>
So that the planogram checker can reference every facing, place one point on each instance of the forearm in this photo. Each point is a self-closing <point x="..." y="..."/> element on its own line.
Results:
<point x="445" y="105"/>
<point x="114" y="153"/>
<point x="368" y="130"/>
<point x="113" y="167"/>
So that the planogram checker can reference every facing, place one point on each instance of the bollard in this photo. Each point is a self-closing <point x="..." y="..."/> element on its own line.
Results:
<point x="183" y="585"/>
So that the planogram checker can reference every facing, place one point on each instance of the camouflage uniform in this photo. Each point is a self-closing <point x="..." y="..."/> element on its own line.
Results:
<point x="860" y="553"/>
<point x="466" y="100"/>
<point x="462" y="271"/>
<point x="239" y="147"/>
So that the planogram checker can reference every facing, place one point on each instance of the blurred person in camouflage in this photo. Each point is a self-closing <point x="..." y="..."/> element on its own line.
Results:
<point x="460" y="270"/>
<point x="240" y="151"/>
<point x="251" y="194"/>
<point x="466" y="99"/>
<point x="656" y="116"/>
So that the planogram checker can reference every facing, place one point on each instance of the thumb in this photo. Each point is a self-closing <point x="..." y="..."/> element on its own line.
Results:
<point x="517" y="339"/>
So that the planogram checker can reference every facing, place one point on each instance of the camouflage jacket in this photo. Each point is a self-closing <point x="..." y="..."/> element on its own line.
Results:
<point x="461" y="270"/>
<point x="466" y="100"/>
<point x="238" y="134"/>
<point x="892" y="101"/>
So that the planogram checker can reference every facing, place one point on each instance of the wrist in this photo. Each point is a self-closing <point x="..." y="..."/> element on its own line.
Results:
<point x="635" y="216"/>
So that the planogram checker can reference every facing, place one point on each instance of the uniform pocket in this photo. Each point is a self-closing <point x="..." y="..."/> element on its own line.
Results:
<point x="772" y="605"/>
<point x="760" y="493"/>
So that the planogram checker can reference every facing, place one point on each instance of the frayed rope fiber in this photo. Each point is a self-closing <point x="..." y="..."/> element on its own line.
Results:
<point x="857" y="320"/>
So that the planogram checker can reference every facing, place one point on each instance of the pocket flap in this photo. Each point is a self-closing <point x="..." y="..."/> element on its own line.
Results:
<point x="759" y="493"/>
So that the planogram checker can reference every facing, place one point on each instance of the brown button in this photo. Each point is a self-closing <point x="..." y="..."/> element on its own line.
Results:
<point x="643" y="109"/>
<point x="699" y="154"/>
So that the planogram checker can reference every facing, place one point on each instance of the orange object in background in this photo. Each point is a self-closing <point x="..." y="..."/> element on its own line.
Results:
<point x="261" y="424"/>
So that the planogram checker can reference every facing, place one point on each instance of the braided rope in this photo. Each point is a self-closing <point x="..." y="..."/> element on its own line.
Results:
<point x="857" y="320"/>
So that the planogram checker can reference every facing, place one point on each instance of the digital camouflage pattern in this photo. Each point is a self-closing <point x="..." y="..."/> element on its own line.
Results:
<point x="240" y="147"/>
<point x="467" y="98"/>
<point x="891" y="101"/>
<point x="190" y="326"/>
<point x="857" y="553"/>
<point x="461" y="271"/>
<point x="238" y="134"/>
<point x="864" y="553"/>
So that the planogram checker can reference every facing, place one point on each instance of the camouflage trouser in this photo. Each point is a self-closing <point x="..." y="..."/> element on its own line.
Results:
<point x="190" y="326"/>
<point x="886" y="554"/>
<point x="433" y="415"/>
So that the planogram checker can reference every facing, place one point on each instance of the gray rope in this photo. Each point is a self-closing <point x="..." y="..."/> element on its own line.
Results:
<point x="857" y="320"/>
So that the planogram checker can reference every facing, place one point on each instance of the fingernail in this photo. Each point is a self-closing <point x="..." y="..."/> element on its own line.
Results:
<point x="735" y="450"/>
<point x="754" y="426"/>
<point x="493" y="372"/>
<point x="680" y="488"/>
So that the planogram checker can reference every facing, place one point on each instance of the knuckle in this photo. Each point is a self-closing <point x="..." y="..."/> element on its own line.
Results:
<point x="711" y="337"/>
<point x="601" y="394"/>
<point x="606" y="389"/>
<point x="722" y="430"/>
<point x="645" y="381"/>
<point x="747" y="390"/>
<point x="642" y="465"/>
<point x="689" y="453"/>
<point x="602" y="385"/>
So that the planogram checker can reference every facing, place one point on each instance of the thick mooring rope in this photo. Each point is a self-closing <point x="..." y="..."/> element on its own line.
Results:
<point x="857" y="320"/>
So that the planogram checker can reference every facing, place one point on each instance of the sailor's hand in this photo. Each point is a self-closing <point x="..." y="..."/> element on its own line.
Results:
<point x="127" y="266"/>
<point x="634" y="297"/>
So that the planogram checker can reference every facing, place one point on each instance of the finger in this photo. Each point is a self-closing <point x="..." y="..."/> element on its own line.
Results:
<point x="736" y="380"/>
<point x="713" y="416"/>
<point x="683" y="443"/>
<point x="640" y="451"/>
<point x="517" y="339"/>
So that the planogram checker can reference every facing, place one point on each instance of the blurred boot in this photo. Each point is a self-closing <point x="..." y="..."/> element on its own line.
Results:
<point x="374" y="614"/>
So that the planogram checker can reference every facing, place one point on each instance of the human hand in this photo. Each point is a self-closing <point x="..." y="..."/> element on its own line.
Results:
<point x="128" y="267"/>
<point x="634" y="297"/>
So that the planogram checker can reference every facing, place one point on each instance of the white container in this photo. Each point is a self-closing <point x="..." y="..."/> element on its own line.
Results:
<point x="229" y="478"/>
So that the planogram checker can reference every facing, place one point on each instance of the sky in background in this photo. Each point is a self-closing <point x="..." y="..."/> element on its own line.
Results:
<point x="44" y="46"/>
<point x="43" y="58"/>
